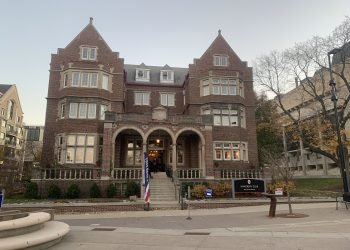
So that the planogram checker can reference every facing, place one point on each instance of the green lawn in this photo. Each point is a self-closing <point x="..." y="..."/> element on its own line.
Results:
<point x="324" y="187"/>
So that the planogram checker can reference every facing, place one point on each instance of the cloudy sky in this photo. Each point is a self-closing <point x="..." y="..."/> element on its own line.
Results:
<point x="154" y="32"/>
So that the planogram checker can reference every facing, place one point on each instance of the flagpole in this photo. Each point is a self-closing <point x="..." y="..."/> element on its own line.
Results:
<point x="147" y="193"/>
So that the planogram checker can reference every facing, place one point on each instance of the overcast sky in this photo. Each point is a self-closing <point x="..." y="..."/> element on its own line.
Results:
<point x="154" y="32"/>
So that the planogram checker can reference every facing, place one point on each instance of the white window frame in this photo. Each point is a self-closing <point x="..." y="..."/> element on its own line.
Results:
<point x="105" y="82"/>
<point x="143" y="75"/>
<point x="103" y="109"/>
<point x="221" y="60"/>
<point x="82" y="110"/>
<point x="63" y="111"/>
<point x="90" y="55"/>
<point x="167" y="99"/>
<point x="142" y="98"/>
<point x="83" y="144"/>
<point x="73" y="110"/>
<point x="237" y="151"/>
<point x="169" y="76"/>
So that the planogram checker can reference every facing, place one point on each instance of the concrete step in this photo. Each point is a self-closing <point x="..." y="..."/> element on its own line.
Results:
<point x="51" y="233"/>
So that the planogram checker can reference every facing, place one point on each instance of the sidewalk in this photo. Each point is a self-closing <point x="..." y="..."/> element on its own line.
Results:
<point x="245" y="228"/>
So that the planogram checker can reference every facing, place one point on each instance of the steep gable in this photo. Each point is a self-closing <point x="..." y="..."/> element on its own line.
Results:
<point x="220" y="47"/>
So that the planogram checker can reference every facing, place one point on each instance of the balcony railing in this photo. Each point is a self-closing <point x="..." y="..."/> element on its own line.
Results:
<point x="127" y="173"/>
<point x="191" y="173"/>
<point x="67" y="174"/>
<point x="248" y="173"/>
<point x="173" y="119"/>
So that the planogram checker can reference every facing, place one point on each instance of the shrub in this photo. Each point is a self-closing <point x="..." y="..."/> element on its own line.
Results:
<point x="73" y="191"/>
<point x="54" y="192"/>
<point x="95" y="191"/>
<point x="31" y="190"/>
<point x="111" y="190"/>
<point x="198" y="191"/>
<point x="281" y="184"/>
<point x="222" y="189"/>
<point x="132" y="188"/>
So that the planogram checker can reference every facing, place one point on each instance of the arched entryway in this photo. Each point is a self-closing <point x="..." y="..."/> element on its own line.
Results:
<point x="189" y="154"/>
<point x="159" y="147"/>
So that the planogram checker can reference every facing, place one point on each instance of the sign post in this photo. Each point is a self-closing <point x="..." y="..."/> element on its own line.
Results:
<point x="248" y="186"/>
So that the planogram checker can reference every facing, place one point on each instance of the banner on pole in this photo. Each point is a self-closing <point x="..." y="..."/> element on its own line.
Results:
<point x="147" y="191"/>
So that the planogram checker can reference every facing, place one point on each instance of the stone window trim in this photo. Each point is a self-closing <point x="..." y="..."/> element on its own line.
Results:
<point x="230" y="151"/>
<point x="142" y="75"/>
<point x="166" y="76"/>
<point x="73" y="78"/>
<point x="142" y="98"/>
<point x="167" y="99"/>
<point x="226" y="115"/>
<point x="221" y="86"/>
<point x="88" y="53"/>
<point x="82" y="110"/>
<point x="221" y="60"/>
<point x="77" y="148"/>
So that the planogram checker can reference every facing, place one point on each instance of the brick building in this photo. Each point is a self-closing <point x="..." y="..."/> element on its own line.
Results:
<point x="11" y="135"/>
<point x="102" y="114"/>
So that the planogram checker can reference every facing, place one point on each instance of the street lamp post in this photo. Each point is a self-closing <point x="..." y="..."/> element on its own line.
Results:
<point x="334" y="99"/>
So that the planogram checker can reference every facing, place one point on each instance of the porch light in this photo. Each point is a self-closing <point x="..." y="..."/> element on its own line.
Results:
<point x="158" y="141"/>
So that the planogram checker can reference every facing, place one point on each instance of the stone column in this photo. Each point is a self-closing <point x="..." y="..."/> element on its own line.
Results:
<point x="107" y="150"/>
<point x="174" y="157"/>
<point x="144" y="150"/>
<point x="203" y="160"/>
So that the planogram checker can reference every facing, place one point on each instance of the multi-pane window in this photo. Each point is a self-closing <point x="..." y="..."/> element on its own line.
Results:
<point x="205" y="87"/>
<point x="221" y="86"/>
<point x="82" y="110"/>
<point x="65" y="80"/>
<point x="230" y="151"/>
<point x="221" y="60"/>
<point x="105" y="80"/>
<point x="142" y="75"/>
<point x="242" y="118"/>
<point x="103" y="109"/>
<point x="134" y="152"/>
<point x="142" y="98"/>
<point x="80" y="149"/>
<point x="88" y="53"/>
<point x="84" y="79"/>
<point x="167" y="99"/>
<point x="166" y="76"/>
<point x="179" y="156"/>
<point x="33" y="134"/>
<point x="225" y="117"/>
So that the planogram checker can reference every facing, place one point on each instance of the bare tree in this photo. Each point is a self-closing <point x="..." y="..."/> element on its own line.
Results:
<point x="311" y="110"/>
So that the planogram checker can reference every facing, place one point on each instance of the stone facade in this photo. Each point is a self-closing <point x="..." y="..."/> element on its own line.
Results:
<point x="104" y="114"/>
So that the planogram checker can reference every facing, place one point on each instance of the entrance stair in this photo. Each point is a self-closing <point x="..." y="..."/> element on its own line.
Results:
<point x="162" y="188"/>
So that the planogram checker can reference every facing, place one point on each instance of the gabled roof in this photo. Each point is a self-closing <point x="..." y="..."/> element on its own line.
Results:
<point x="88" y="28"/>
<point x="219" y="40"/>
<point x="4" y="88"/>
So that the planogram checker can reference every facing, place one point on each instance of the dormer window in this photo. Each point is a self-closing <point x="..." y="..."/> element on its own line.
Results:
<point x="142" y="75"/>
<point x="221" y="60"/>
<point x="167" y="76"/>
<point x="88" y="53"/>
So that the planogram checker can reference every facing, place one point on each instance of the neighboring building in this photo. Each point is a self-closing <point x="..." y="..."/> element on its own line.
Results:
<point x="198" y="122"/>
<point x="300" y="104"/>
<point x="34" y="136"/>
<point x="11" y="134"/>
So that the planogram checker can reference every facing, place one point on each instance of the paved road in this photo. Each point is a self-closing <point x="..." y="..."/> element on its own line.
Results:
<point x="230" y="228"/>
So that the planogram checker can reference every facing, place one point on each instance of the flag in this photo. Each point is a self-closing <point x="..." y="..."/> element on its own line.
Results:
<point x="147" y="191"/>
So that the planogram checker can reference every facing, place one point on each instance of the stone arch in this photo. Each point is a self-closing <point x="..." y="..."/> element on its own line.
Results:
<point x="160" y="128"/>
<point x="193" y="130"/>
<point x="119" y="130"/>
